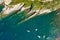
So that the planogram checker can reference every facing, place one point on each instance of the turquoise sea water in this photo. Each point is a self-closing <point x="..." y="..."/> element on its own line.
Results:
<point x="37" y="28"/>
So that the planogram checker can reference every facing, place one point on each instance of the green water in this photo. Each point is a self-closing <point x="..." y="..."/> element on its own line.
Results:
<point x="11" y="30"/>
<point x="1" y="7"/>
